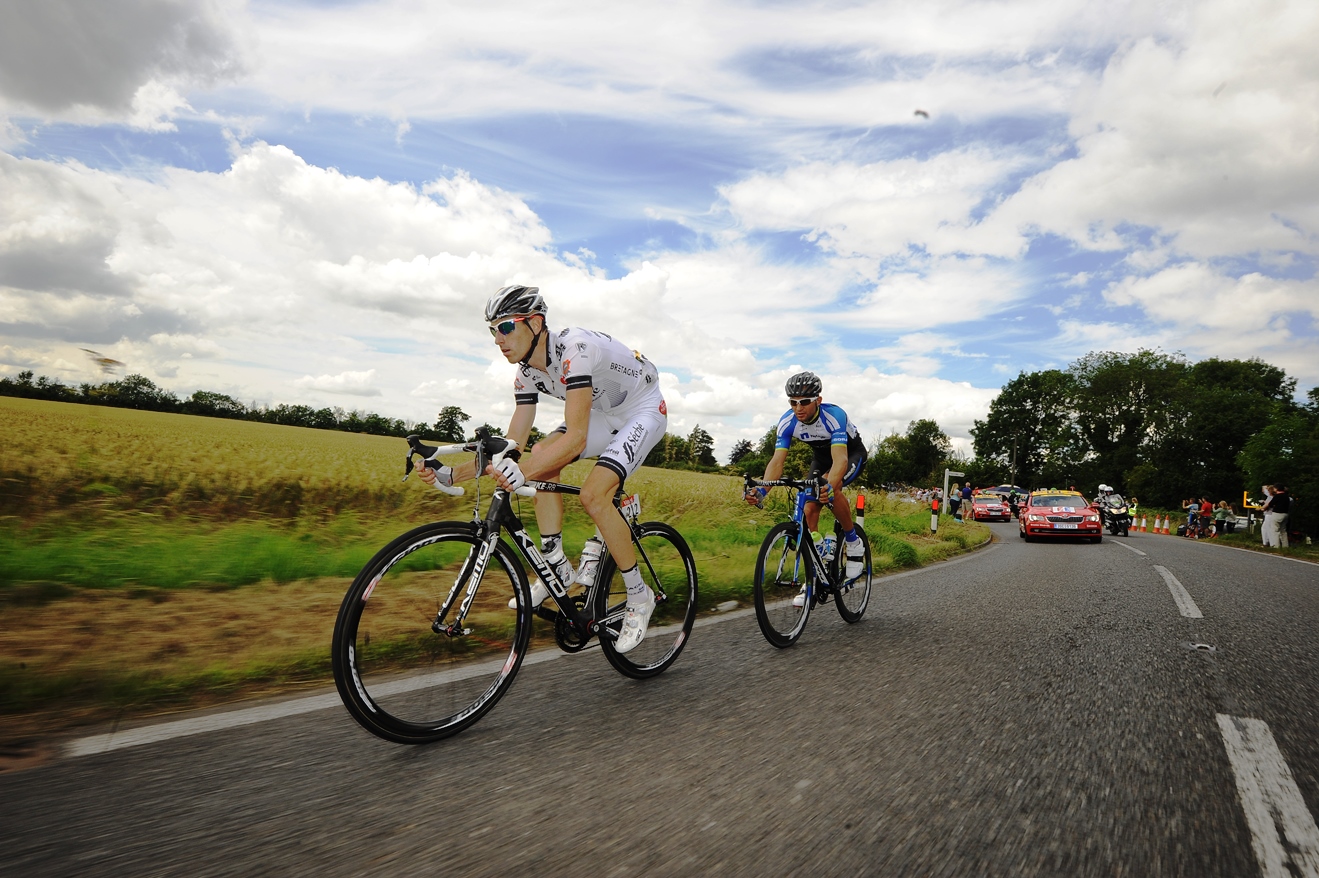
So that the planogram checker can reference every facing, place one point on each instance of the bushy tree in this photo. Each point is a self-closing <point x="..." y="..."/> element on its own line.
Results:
<point x="449" y="425"/>
<point x="701" y="445"/>
<point x="741" y="449"/>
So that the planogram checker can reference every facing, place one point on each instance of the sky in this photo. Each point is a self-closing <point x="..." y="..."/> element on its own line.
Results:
<point x="310" y="202"/>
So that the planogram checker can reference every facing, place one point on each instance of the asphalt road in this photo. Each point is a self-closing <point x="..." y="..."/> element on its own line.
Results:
<point x="1042" y="709"/>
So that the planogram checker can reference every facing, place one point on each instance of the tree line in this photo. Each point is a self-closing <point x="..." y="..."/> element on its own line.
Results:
<point x="139" y="392"/>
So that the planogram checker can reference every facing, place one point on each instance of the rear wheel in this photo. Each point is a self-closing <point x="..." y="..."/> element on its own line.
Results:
<point x="667" y="566"/>
<point x="781" y="573"/>
<point x="399" y="678"/>
<point x="853" y="595"/>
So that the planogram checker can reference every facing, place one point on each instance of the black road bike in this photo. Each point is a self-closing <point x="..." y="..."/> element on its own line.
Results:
<point x="425" y="643"/>
<point x="790" y="564"/>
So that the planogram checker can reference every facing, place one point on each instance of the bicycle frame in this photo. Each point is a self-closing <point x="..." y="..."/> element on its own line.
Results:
<point x="804" y="493"/>
<point x="500" y="517"/>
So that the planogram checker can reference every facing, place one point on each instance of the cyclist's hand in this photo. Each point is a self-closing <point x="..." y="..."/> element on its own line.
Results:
<point x="825" y="493"/>
<point x="508" y="474"/>
<point x="755" y="497"/>
<point x="436" y="472"/>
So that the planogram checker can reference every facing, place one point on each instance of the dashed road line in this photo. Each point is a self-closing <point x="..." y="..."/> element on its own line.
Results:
<point x="1128" y="548"/>
<point x="1179" y="594"/>
<point x="1282" y="830"/>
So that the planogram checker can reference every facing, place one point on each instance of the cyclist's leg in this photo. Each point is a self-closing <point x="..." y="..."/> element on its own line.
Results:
<point x="820" y="464"/>
<point x="842" y="509"/>
<point x="620" y="445"/>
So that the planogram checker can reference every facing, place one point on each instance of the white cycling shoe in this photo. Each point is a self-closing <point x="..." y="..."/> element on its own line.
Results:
<point x="799" y="600"/>
<point x="538" y="595"/>
<point x="539" y="592"/>
<point x="634" y="624"/>
<point x="855" y="563"/>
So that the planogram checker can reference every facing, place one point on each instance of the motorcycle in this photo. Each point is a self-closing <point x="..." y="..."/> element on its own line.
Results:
<point x="1114" y="515"/>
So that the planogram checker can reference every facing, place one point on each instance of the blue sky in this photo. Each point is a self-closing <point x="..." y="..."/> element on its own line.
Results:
<point x="309" y="202"/>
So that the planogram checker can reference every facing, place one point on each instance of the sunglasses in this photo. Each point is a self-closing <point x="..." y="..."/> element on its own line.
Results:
<point x="506" y="327"/>
<point x="801" y="403"/>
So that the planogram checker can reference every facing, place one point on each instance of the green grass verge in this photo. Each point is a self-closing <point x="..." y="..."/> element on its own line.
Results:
<point x="160" y="557"/>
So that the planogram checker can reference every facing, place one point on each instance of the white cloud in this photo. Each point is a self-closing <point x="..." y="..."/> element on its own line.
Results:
<point x="116" y="60"/>
<point x="349" y="383"/>
<point x="1206" y="137"/>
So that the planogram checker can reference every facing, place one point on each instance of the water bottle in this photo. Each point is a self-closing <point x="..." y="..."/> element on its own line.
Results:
<point x="827" y="548"/>
<point x="590" y="562"/>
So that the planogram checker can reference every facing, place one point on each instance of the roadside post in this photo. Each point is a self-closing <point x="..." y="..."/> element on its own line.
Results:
<point x="934" y="516"/>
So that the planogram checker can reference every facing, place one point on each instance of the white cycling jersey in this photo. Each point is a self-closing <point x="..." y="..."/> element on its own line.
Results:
<point x="620" y="378"/>
<point x="628" y="415"/>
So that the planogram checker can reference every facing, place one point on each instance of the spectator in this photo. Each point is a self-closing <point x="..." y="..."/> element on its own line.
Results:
<point x="1223" y="516"/>
<point x="1189" y="507"/>
<point x="1281" y="509"/>
<point x="1206" y="513"/>
<point x="955" y="502"/>
<point x="1266" y="510"/>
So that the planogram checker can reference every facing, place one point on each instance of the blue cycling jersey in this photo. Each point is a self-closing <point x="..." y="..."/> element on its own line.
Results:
<point x="830" y="427"/>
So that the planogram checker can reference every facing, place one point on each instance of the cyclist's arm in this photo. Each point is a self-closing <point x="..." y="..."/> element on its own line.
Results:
<point x="774" y="469"/>
<point x="576" y="418"/>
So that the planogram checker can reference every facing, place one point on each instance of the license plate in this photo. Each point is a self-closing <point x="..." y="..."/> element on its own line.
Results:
<point x="1066" y="526"/>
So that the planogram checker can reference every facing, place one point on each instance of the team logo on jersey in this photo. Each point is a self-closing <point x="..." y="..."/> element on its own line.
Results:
<point x="518" y="385"/>
<point x="567" y="366"/>
<point x="581" y="346"/>
<point x="664" y="409"/>
<point x="558" y="350"/>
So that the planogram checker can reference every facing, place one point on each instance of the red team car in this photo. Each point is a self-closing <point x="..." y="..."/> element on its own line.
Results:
<point x="990" y="507"/>
<point x="1059" y="514"/>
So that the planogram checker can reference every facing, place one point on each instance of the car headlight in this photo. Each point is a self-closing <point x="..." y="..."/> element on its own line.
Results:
<point x="1035" y="517"/>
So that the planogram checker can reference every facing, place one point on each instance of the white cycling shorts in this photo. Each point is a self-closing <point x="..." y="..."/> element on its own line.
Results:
<point x="622" y="440"/>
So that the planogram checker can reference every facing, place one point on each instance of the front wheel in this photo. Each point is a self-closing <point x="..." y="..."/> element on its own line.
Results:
<point x="668" y="568"/>
<point x="781" y="575"/>
<point x="853" y="595"/>
<point x="398" y="677"/>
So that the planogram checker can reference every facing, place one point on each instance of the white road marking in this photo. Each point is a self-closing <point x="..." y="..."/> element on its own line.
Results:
<point x="1128" y="548"/>
<point x="1179" y="594"/>
<point x="1282" y="830"/>
<point x="247" y="716"/>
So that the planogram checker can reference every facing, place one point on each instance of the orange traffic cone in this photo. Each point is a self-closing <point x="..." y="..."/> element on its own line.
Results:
<point x="1158" y="525"/>
<point x="1142" y="524"/>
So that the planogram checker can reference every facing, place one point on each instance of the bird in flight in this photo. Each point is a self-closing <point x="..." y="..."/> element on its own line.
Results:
<point x="922" y="114"/>
<point x="108" y="365"/>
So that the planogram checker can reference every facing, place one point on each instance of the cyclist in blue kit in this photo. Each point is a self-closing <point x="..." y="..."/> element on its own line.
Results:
<point x="839" y="455"/>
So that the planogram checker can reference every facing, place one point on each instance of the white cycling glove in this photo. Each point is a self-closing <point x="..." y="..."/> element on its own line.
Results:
<point x="509" y="469"/>
<point x="443" y="475"/>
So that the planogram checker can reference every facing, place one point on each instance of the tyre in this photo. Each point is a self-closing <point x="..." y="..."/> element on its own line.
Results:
<point x="853" y="595"/>
<point x="667" y="566"/>
<point x="780" y="574"/>
<point x="398" y="677"/>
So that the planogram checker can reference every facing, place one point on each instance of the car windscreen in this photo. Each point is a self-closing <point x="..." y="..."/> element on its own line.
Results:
<point x="1058" y="500"/>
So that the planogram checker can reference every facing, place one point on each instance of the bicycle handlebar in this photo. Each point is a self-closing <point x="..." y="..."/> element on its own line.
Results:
<point x="489" y="450"/>
<point x="800" y="484"/>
